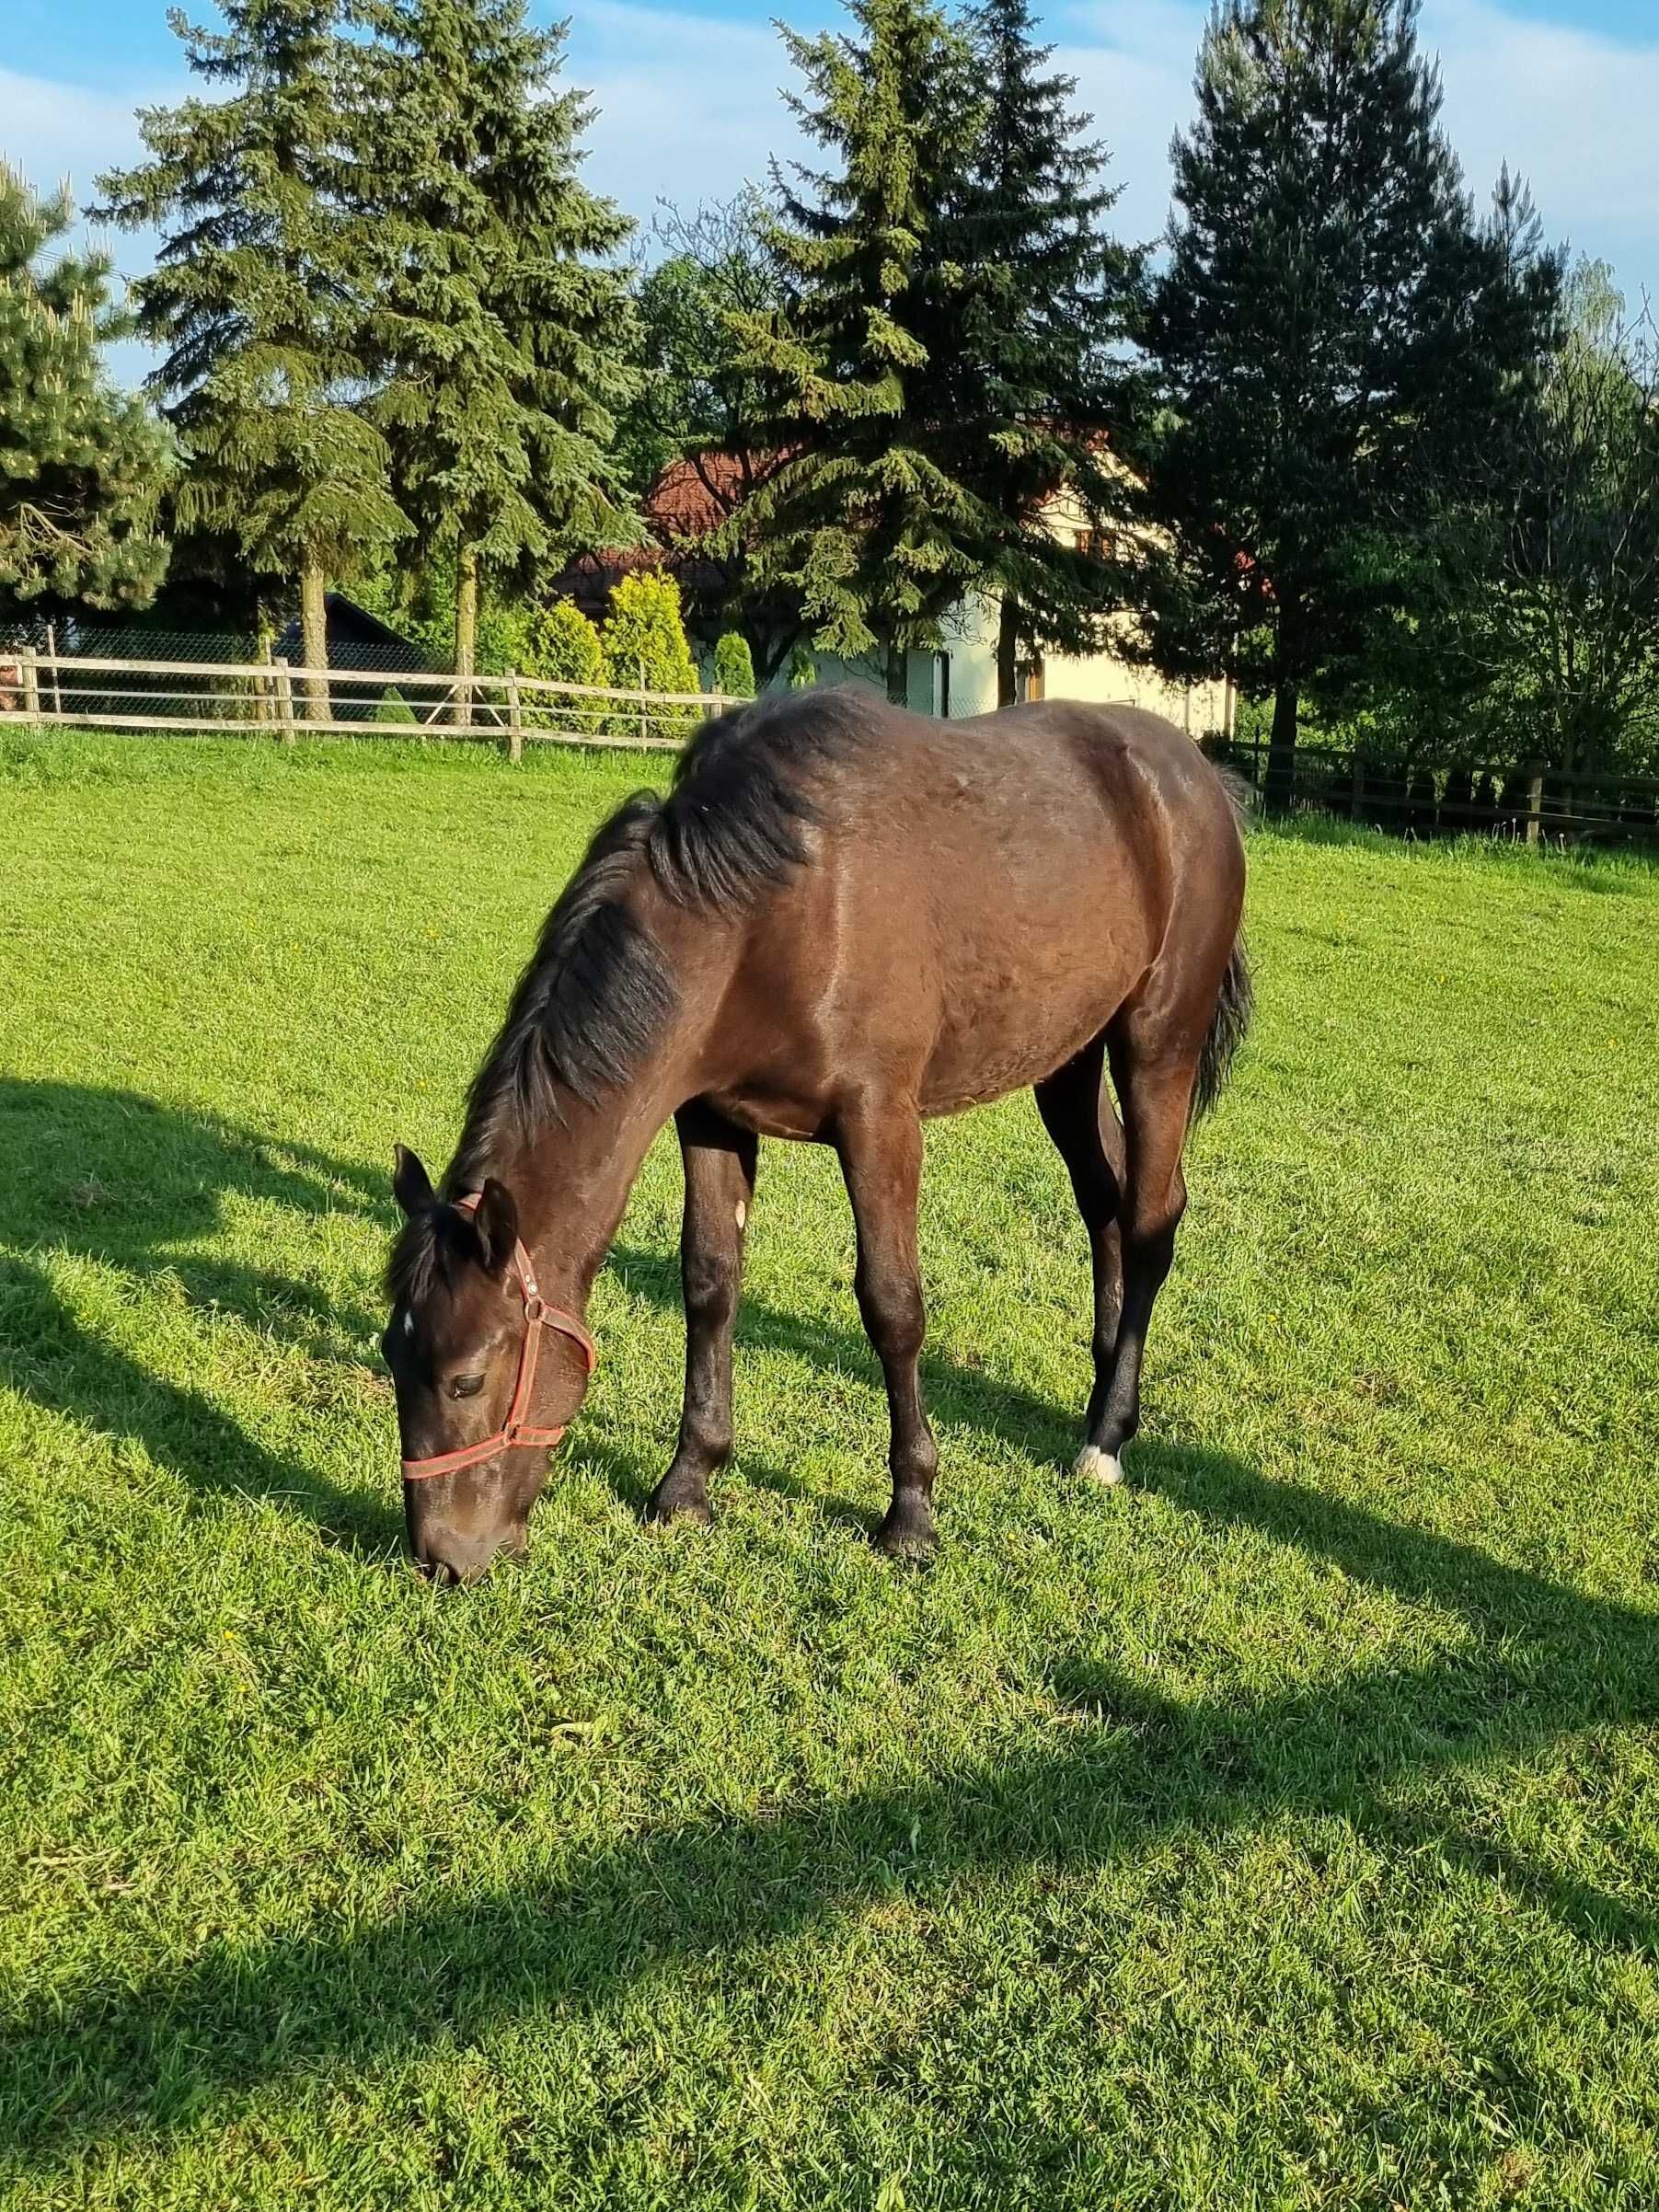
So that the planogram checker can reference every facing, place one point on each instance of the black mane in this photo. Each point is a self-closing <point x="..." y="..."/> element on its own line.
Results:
<point x="599" y="988"/>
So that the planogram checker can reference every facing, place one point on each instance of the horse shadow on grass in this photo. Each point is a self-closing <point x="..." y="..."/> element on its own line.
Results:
<point x="1123" y="1768"/>
<point x="116" y="1177"/>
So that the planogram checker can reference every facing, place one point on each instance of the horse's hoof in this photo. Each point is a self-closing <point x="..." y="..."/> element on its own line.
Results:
<point x="665" y="1507"/>
<point x="1096" y="1465"/>
<point x="907" y="1535"/>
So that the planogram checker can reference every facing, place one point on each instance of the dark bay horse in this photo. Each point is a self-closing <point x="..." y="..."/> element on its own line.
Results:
<point x="841" y="919"/>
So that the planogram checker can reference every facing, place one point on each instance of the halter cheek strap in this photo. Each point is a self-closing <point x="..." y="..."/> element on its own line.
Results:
<point x="515" y="1430"/>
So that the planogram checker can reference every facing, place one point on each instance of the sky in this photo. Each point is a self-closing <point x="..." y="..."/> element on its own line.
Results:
<point x="1567" y="91"/>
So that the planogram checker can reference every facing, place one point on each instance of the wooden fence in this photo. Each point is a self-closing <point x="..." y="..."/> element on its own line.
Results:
<point x="274" y="700"/>
<point x="1533" y="805"/>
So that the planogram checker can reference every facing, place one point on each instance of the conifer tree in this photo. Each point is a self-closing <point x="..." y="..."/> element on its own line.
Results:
<point x="82" y="465"/>
<point x="503" y="328"/>
<point x="258" y="298"/>
<point x="1048" y="304"/>
<point x="1332" y="328"/>
<point x="734" y="666"/>
<point x="866" y="520"/>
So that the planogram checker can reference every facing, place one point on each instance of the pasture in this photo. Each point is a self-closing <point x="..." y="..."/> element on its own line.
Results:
<point x="1282" y="1831"/>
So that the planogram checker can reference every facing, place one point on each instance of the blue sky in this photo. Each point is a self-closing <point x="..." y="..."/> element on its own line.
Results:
<point x="1566" y="90"/>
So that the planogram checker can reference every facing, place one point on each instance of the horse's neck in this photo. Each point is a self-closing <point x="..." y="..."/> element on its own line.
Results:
<point x="571" y="1181"/>
<point x="571" y="1176"/>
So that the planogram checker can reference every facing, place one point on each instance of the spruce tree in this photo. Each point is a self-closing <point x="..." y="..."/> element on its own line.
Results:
<point x="867" y="520"/>
<point x="82" y="465"/>
<point x="1047" y="309"/>
<point x="256" y="297"/>
<point x="502" y="329"/>
<point x="1332" y="328"/>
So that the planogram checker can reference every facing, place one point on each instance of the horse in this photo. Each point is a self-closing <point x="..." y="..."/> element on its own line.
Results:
<point x="842" y="920"/>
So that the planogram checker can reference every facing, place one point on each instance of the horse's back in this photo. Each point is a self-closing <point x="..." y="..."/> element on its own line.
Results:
<point x="982" y="896"/>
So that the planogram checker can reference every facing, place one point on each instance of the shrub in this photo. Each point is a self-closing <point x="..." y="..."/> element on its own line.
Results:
<point x="563" y="647"/>
<point x="645" y="644"/>
<point x="734" y="666"/>
<point x="394" y="708"/>
<point x="803" y="670"/>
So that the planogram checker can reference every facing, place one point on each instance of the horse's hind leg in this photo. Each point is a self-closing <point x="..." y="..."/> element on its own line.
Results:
<point x="1079" y="1115"/>
<point x="880" y="1146"/>
<point x="1154" y="1081"/>
<point x="720" y="1162"/>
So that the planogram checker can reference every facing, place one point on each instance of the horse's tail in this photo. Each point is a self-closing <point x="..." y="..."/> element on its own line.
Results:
<point x="1235" y="1002"/>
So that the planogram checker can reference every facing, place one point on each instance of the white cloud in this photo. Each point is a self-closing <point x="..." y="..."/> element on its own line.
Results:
<point x="58" y="133"/>
<point x="689" y="108"/>
<point x="1571" y="109"/>
<point x="52" y="130"/>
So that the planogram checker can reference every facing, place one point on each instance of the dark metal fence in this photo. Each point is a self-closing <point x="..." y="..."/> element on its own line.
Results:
<point x="1532" y="805"/>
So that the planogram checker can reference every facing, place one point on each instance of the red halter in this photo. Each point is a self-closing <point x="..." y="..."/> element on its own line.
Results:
<point x="514" y="1430"/>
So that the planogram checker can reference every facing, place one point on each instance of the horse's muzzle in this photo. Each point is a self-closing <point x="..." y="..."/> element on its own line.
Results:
<point x="447" y="1557"/>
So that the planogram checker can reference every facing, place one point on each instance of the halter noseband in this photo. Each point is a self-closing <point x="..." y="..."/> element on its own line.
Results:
<point x="514" y="1430"/>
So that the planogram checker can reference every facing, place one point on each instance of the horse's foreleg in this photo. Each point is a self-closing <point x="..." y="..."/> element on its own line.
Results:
<point x="880" y="1153"/>
<point x="720" y="1162"/>
<point x="1079" y="1115"/>
<point x="1157" y="1094"/>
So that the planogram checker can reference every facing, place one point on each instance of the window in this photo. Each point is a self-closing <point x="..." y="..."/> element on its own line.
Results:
<point x="1028" y="680"/>
<point x="1099" y="545"/>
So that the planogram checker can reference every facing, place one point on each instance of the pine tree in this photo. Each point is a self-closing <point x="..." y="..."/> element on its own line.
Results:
<point x="1046" y="312"/>
<point x="81" y="466"/>
<point x="258" y="297"/>
<point x="502" y="326"/>
<point x="1332" y="330"/>
<point x="866" y="520"/>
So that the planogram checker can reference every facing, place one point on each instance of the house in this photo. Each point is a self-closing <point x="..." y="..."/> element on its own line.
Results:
<point x="694" y="496"/>
<point x="356" y="640"/>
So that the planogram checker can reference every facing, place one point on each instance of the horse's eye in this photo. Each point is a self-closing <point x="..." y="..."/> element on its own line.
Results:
<point x="466" y="1385"/>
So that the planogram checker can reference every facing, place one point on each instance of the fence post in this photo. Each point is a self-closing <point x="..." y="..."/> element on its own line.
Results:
<point x="1535" y="801"/>
<point x="1358" y="811"/>
<point x="57" y="690"/>
<point x="285" y="691"/>
<point x="28" y="668"/>
<point x="515" y="719"/>
<point x="642" y="668"/>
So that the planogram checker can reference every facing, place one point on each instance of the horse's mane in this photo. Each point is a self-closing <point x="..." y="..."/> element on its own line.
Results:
<point x="599" y="988"/>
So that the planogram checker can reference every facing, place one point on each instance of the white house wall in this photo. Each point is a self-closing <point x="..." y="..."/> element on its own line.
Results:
<point x="1101" y="679"/>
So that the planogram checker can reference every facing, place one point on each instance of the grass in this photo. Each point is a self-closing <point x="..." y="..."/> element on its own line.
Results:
<point x="1282" y="1833"/>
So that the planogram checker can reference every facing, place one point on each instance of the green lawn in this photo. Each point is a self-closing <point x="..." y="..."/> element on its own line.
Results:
<point x="1284" y="1831"/>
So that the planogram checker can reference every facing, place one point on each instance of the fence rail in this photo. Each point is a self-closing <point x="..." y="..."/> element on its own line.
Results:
<point x="1532" y="804"/>
<point x="272" y="699"/>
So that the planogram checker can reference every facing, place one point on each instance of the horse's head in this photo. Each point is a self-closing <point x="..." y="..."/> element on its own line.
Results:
<point x="488" y="1378"/>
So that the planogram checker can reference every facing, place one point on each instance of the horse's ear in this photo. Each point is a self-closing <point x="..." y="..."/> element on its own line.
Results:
<point x="412" y="1185"/>
<point x="496" y="1222"/>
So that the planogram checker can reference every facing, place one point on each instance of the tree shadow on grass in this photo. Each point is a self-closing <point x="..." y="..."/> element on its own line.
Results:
<point x="118" y="1178"/>
<point x="1123" y="1768"/>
